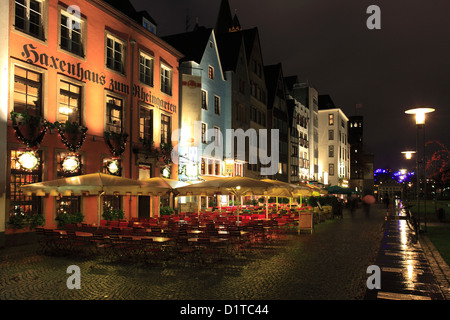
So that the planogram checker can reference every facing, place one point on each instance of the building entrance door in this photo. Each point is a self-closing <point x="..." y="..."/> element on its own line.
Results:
<point x="144" y="207"/>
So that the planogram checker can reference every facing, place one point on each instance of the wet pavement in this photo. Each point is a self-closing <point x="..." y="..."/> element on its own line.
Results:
<point x="405" y="269"/>
<point x="329" y="264"/>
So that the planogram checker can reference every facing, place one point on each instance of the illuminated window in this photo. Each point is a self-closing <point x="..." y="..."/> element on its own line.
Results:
<point x="114" y="114"/>
<point x="211" y="73"/>
<point x="112" y="202"/>
<point x="145" y="171"/>
<point x="72" y="34"/>
<point x="29" y="17"/>
<point x="331" y="119"/>
<point x="145" y="124"/>
<point x="112" y="166"/>
<point x="146" y="69"/>
<point x="166" y="79"/>
<point x="20" y="176"/>
<point x="115" y="54"/>
<point x="204" y="100"/>
<point x="165" y="129"/>
<point x="69" y="103"/>
<point x="66" y="164"/>
<point x="27" y="91"/>
<point x="68" y="205"/>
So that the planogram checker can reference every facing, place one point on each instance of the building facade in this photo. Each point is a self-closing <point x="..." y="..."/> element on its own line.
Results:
<point x="278" y="121"/>
<point x="334" y="149"/>
<point x="99" y="72"/>
<point x="205" y="118"/>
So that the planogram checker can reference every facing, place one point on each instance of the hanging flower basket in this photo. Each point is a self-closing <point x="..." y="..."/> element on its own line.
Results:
<point x="29" y="129"/>
<point x="116" y="142"/>
<point x="72" y="134"/>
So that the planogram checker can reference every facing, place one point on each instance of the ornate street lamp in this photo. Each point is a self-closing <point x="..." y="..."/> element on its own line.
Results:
<point x="420" y="124"/>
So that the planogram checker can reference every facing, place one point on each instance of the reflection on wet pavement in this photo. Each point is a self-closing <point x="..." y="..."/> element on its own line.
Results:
<point x="405" y="272"/>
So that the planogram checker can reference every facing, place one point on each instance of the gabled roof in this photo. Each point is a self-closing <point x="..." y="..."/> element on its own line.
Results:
<point x="224" y="19"/>
<point x="229" y="45"/>
<point x="289" y="82"/>
<point x="325" y="102"/>
<point x="272" y="74"/>
<point x="191" y="44"/>
<point x="127" y="8"/>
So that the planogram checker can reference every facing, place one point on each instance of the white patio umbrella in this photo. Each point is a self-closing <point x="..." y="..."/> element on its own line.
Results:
<point x="88" y="184"/>
<point x="237" y="186"/>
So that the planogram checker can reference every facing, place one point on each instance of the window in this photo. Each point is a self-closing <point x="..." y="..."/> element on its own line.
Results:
<point x="114" y="114"/>
<point x="330" y="151"/>
<point x="27" y="91"/>
<point x="330" y="134"/>
<point x="331" y="169"/>
<point x="166" y="79"/>
<point x="29" y="17"/>
<point x="115" y="54"/>
<point x="216" y="105"/>
<point x="204" y="128"/>
<point x="145" y="171"/>
<point x="216" y="136"/>
<point x="63" y="171"/>
<point x="331" y="119"/>
<point x="68" y="204"/>
<point x="112" y="203"/>
<point x="146" y="69"/>
<point x="204" y="100"/>
<point x="145" y="124"/>
<point x="211" y="73"/>
<point x="71" y="36"/>
<point x="112" y="166"/>
<point x="69" y="103"/>
<point x="19" y="177"/>
<point x="165" y="129"/>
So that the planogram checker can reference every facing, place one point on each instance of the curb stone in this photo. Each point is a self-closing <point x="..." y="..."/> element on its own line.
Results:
<point x="439" y="267"/>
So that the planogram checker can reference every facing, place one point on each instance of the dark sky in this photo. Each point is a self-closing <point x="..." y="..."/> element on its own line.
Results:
<point x="326" y="42"/>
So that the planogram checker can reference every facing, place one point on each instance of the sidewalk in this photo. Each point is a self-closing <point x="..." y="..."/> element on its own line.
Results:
<point x="411" y="268"/>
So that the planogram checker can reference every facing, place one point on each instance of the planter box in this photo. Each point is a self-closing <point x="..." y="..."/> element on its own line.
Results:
<point x="16" y="237"/>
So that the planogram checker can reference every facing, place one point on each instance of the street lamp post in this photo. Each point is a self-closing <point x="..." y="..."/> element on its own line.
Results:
<point x="420" y="124"/>
<point x="408" y="155"/>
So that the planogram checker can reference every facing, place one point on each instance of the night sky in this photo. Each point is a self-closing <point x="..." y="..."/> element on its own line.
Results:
<point x="403" y="65"/>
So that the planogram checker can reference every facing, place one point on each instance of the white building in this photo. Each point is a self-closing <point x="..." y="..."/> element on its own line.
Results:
<point x="334" y="149"/>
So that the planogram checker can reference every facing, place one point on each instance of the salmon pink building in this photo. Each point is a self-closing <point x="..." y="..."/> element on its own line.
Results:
<point x="89" y="88"/>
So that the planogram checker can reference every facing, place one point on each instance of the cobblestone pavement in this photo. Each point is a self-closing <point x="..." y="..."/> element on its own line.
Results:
<point x="329" y="264"/>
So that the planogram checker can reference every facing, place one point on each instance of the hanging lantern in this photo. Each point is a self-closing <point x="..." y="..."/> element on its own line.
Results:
<point x="28" y="160"/>
<point x="165" y="172"/>
<point x="71" y="163"/>
<point x="113" y="167"/>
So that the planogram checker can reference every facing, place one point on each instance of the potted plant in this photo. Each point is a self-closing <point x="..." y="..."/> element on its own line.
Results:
<point x="166" y="211"/>
<point x="69" y="218"/>
<point x="111" y="214"/>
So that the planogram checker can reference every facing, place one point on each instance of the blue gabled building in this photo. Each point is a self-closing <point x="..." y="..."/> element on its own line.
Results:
<point x="205" y="105"/>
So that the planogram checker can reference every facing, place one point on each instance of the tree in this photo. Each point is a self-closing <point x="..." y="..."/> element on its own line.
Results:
<point x="438" y="166"/>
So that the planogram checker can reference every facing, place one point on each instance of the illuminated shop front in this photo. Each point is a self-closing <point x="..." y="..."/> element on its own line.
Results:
<point x="90" y="92"/>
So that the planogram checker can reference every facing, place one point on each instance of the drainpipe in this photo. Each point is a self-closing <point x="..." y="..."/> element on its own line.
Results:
<point x="133" y="43"/>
